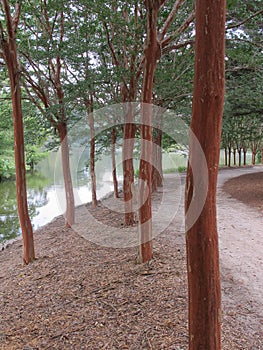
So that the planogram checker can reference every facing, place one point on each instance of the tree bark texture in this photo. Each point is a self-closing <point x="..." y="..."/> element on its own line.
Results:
<point x="202" y="237"/>
<point x="70" y="206"/>
<point x="127" y="164"/>
<point x="152" y="54"/>
<point x="10" y="56"/>
<point x="113" y="162"/>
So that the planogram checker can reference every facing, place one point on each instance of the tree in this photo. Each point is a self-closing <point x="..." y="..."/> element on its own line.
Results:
<point x="8" y="51"/>
<point x="42" y="49"/>
<point x="202" y="237"/>
<point x="156" y="41"/>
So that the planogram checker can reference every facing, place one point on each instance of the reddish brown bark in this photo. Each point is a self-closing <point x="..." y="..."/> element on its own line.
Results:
<point x="10" y="56"/>
<point x="202" y="236"/>
<point x="157" y="177"/>
<point x="113" y="161"/>
<point x="127" y="164"/>
<point x="152" y="53"/>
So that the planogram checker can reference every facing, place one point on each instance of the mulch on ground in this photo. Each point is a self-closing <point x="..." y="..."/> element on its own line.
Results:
<point x="78" y="295"/>
<point x="247" y="188"/>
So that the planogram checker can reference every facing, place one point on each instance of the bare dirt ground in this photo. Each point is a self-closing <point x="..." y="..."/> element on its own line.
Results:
<point x="81" y="295"/>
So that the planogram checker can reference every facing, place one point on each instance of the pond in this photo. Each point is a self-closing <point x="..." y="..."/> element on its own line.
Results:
<point x="45" y="187"/>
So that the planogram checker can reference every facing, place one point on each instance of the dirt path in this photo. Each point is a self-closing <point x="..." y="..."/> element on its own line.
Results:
<point x="241" y="250"/>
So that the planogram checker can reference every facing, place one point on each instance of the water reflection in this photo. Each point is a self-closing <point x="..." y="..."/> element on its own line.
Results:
<point x="37" y="198"/>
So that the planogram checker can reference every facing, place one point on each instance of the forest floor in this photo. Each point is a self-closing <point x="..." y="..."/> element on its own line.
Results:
<point x="82" y="293"/>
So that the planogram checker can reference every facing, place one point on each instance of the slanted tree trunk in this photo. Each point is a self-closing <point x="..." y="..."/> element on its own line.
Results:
<point x="201" y="237"/>
<point x="113" y="161"/>
<point x="9" y="51"/>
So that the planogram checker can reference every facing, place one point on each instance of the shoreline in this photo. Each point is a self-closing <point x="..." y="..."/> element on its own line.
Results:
<point x="7" y="243"/>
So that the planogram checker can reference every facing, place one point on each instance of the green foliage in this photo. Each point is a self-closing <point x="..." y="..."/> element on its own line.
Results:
<point x="243" y="115"/>
<point x="181" y="169"/>
<point x="7" y="168"/>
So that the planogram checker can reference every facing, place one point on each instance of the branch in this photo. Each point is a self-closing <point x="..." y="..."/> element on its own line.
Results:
<point x="246" y="41"/>
<point x="244" y="21"/>
<point x="245" y="68"/>
<point x="16" y="17"/>
<point x="255" y="111"/>
<point x="177" y="46"/>
<point x="8" y="19"/>
<point x="114" y="57"/>
<point x="180" y="30"/>
<point x="169" y="20"/>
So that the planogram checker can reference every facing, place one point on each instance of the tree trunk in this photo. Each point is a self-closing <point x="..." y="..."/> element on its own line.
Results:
<point x="157" y="174"/>
<point x="152" y="53"/>
<point x="10" y="57"/>
<point x="154" y="164"/>
<point x="113" y="160"/>
<point x="159" y="157"/>
<point x="226" y="156"/>
<point x="89" y="106"/>
<point x="229" y="156"/>
<point x="202" y="237"/>
<point x="234" y="156"/>
<point x="244" y="156"/>
<point x="239" y="156"/>
<point x="70" y="206"/>
<point x="127" y="165"/>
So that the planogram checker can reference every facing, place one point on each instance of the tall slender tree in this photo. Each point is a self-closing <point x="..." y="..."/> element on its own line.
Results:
<point x="43" y="71"/>
<point x="157" y="40"/>
<point x="202" y="236"/>
<point x="8" y="51"/>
